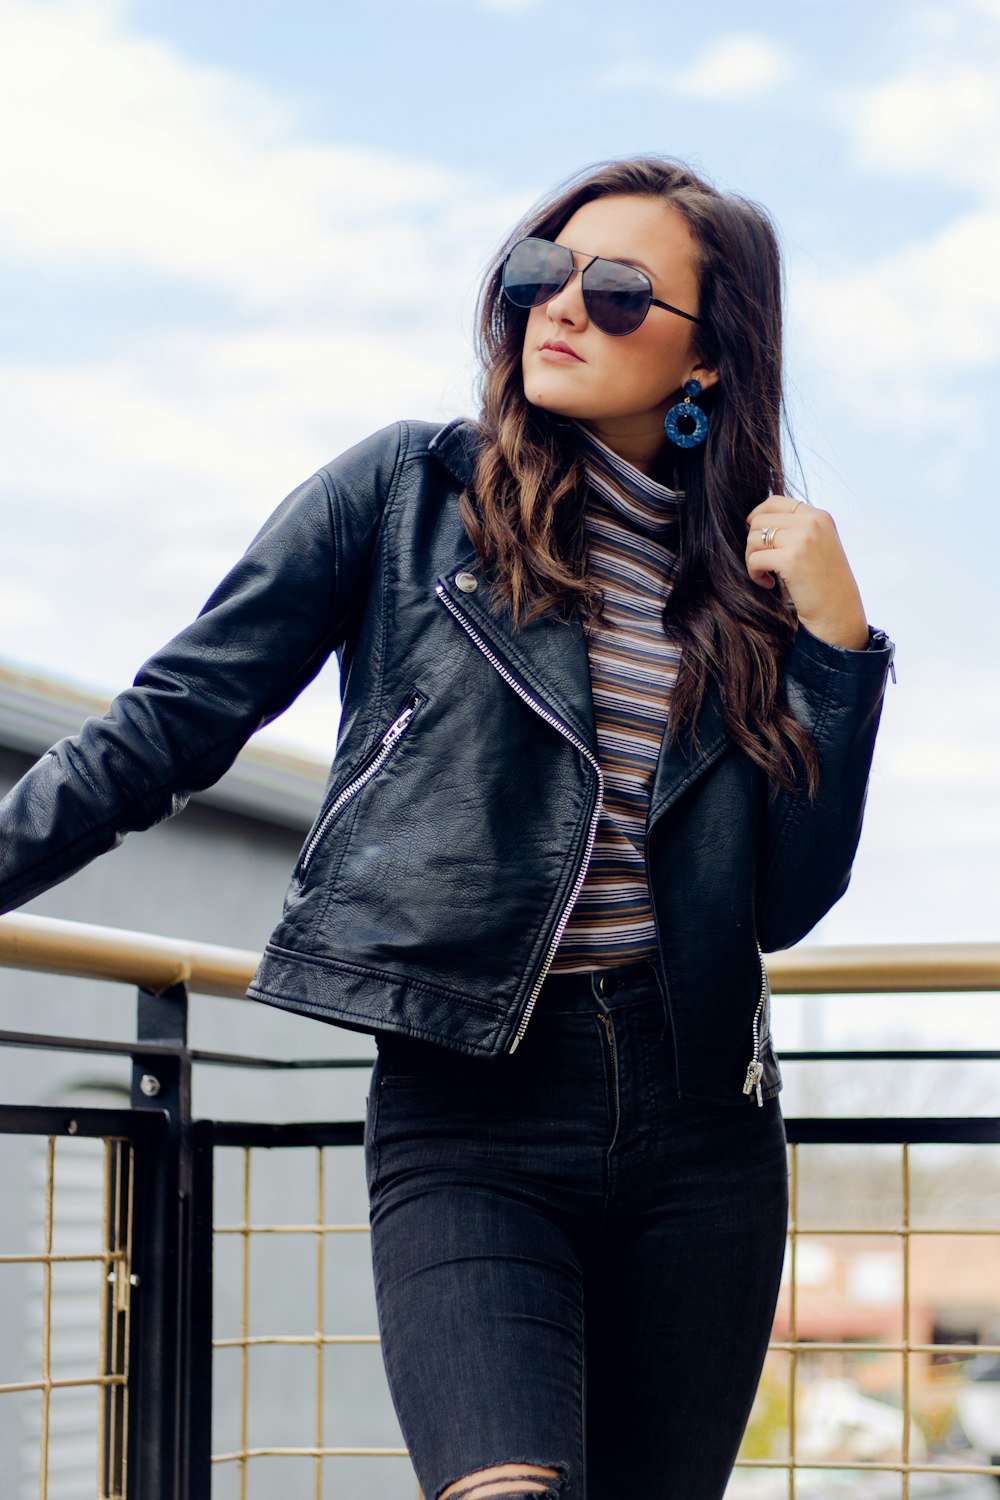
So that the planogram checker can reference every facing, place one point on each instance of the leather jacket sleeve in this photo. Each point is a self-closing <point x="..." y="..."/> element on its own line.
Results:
<point x="808" y="847"/>
<point x="260" y="638"/>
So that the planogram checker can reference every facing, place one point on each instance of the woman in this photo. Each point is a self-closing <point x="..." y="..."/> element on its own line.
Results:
<point x="609" y="705"/>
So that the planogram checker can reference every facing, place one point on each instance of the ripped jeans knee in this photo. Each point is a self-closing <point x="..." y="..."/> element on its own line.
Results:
<point x="510" y="1481"/>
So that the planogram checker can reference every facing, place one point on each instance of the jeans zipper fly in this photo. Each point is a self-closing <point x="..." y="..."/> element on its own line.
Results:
<point x="609" y="1032"/>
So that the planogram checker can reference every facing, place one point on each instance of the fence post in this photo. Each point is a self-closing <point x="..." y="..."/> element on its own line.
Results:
<point x="159" y="1374"/>
<point x="199" y="1382"/>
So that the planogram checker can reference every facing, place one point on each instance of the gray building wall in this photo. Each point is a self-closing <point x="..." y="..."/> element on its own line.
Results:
<point x="215" y="873"/>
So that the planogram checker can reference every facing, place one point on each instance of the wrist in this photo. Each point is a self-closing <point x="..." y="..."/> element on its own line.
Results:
<point x="851" y="636"/>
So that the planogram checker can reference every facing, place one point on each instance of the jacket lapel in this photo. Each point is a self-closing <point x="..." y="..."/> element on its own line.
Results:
<point x="681" y="764"/>
<point x="549" y="657"/>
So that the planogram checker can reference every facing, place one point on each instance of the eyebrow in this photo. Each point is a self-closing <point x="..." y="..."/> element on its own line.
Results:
<point x="630" y="261"/>
<point x="623" y="260"/>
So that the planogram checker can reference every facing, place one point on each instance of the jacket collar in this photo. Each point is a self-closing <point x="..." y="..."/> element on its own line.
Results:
<point x="456" y="446"/>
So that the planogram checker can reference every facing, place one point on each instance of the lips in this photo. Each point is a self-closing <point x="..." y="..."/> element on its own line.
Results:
<point x="559" y="351"/>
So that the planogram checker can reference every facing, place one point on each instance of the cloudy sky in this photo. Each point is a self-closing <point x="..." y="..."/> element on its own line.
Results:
<point x="235" y="238"/>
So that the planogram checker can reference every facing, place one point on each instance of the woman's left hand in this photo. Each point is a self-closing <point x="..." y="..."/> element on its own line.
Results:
<point x="806" y="556"/>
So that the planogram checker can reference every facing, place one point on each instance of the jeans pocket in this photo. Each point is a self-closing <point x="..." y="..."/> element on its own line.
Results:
<point x="408" y="1061"/>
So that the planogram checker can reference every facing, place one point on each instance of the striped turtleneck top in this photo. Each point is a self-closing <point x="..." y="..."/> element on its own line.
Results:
<point x="632" y="536"/>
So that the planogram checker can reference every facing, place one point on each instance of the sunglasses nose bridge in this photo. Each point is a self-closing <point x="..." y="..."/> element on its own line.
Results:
<point x="588" y="261"/>
<point x="575" y="270"/>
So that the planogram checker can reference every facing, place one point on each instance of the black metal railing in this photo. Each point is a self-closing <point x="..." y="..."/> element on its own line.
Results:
<point x="154" y="1369"/>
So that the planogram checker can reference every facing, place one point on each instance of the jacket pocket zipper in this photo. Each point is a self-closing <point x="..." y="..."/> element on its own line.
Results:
<point x="755" y="1070"/>
<point x="383" y="750"/>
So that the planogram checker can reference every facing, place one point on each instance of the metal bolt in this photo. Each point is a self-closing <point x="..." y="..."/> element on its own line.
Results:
<point x="149" y="1085"/>
<point x="133" y="1280"/>
<point x="71" y="1128"/>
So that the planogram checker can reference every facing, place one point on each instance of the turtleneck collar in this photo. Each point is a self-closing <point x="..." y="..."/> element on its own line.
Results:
<point x="641" y="500"/>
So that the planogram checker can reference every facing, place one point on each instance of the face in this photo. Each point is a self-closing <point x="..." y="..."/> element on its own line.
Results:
<point x="621" y="387"/>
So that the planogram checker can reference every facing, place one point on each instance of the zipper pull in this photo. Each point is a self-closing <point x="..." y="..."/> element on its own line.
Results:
<point x="395" y="730"/>
<point x="755" y="1073"/>
<point x="879" y="638"/>
<point x="892" y="655"/>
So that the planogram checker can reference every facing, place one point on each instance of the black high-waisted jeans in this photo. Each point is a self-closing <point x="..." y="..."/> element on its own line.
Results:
<point x="573" y="1267"/>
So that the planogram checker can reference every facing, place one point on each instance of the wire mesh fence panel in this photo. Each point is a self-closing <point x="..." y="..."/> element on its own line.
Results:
<point x="66" y="1289"/>
<point x="884" y="1372"/>
<point x="299" y="1390"/>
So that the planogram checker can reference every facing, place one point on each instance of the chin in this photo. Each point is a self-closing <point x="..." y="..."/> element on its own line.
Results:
<point x="548" y="401"/>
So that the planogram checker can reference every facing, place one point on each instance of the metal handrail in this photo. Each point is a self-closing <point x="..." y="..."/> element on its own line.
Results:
<point x="54" y="946"/>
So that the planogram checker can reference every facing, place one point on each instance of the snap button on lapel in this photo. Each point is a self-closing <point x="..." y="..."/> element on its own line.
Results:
<point x="467" y="582"/>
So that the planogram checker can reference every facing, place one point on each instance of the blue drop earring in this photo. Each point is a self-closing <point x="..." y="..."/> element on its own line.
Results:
<point x="686" y="424"/>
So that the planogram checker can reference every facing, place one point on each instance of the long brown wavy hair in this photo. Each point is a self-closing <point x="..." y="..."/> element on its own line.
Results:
<point x="524" y="511"/>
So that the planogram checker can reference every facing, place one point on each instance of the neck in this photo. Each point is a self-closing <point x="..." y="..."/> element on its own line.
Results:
<point x="635" y="439"/>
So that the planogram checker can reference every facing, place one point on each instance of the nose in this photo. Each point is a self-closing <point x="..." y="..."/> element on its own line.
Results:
<point x="567" y="306"/>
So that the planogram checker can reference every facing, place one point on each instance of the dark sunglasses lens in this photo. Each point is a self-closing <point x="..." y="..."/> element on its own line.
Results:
<point x="534" y="271"/>
<point x="617" y="297"/>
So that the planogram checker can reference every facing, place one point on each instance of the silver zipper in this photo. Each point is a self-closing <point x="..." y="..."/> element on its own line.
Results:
<point x="881" y="638"/>
<point x="387" y="743"/>
<point x="577" y="744"/>
<point x="755" y="1071"/>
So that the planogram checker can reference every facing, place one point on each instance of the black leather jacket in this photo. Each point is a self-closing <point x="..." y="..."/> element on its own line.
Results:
<point x="463" y="798"/>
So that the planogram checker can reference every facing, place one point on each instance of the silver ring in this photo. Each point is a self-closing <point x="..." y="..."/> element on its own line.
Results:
<point x="767" y="535"/>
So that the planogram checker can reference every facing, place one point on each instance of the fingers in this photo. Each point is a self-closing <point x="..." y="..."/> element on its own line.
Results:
<point x="775" y="507"/>
<point x="770" y="528"/>
<point x="778" y="522"/>
<point x="763" y="565"/>
<point x="766" y="548"/>
<point x="796" y="549"/>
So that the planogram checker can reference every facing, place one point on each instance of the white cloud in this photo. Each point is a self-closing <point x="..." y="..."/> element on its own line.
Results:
<point x="947" y="732"/>
<point x="131" y="154"/>
<point x="939" y="117"/>
<point x="146" y="477"/>
<point x="736" y="69"/>
<point x="989" y="8"/>
<point x="214" y="412"/>
<point x="924" y="313"/>
<point x="22" y="607"/>
<point x="911" y="313"/>
<point x="132" y="481"/>
<point x="131" y="487"/>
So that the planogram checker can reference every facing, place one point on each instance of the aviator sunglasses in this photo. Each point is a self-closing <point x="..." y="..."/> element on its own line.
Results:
<point x="617" y="296"/>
